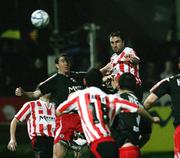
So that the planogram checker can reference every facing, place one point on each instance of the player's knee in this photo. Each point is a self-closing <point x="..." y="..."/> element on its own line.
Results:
<point x="59" y="151"/>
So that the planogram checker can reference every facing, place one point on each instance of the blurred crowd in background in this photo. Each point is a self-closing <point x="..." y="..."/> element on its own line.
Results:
<point x="26" y="53"/>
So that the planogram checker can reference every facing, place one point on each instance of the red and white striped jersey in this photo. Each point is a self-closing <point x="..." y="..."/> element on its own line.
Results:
<point x="40" y="118"/>
<point x="120" y="65"/>
<point x="96" y="110"/>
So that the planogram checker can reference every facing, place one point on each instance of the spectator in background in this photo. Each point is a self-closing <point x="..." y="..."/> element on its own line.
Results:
<point x="40" y="118"/>
<point x="168" y="70"/>
<point x="150" y="76"/>
<point x="171" y="86"/>
<point x="179" y="64"/>
<point x="39" y="70"/>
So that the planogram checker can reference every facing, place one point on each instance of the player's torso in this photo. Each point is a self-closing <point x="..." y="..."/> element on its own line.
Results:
<point x="127" y="120"/>
<point x="61" y="86"/>
<point x="120" y="67"/>
<point x="94" y="113"/>
<point x="175" y="97"/>
<point x="42" y="119"/>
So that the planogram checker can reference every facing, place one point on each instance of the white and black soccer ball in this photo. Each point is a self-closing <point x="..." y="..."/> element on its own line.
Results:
<point x="40" y="18"/>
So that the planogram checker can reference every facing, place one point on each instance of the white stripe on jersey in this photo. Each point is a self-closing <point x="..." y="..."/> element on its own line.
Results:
<point x="40" y="118"/>
<point x="91" y="102"/>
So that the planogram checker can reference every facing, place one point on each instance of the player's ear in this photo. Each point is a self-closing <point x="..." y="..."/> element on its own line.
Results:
<point x="84" y="81"/>
<point x="57" y="66"/>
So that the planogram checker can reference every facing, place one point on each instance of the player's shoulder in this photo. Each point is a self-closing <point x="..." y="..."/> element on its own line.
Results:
<point x="128" y="49"/>
<point x="174" y="77"/>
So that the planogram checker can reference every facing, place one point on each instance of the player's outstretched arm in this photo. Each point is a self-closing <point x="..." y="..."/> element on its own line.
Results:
<point x="12" y="145"/>
<point x="146" y="114"/>
<point x="150" y="100"/>
<point x="31" y="95"/>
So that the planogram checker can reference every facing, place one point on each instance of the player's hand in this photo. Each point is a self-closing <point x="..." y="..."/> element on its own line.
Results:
<point x="134" y="60"/>
<point x="12" y="145"/>
<point x="156" y="119"/>
<point x="19" y="91"/>
<point x="106" y="70"/>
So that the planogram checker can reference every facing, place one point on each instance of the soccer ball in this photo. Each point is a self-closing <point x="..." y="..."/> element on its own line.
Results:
<point x="40" y="18"/>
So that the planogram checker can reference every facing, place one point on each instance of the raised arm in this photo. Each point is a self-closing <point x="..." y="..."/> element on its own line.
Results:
<point x="107" y="69"/>
<point x="30" y="95"/>
<point x="12" y="143"/>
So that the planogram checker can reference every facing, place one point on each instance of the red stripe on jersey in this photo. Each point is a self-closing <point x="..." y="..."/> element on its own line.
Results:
<point x="41" y="129"/>
<point x="126" y="103"/>
<point x="33" y="116"/>
<point x="121" y="56"/>
<point x="67" y="105"/>
<point x="49" y="112"/>
<point x="87" y="100"/>
<point x="49" y="127"/>
<point x="121" y="67"/>
<point x="40" y="111"/>
<point x="125" y="110"/>
<point x="38" y="103"/>
<point x="23" y="112"/>
<point x="101" y="114"/>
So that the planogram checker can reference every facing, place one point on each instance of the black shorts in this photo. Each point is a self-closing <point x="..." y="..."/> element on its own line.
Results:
<point x="145" y="126"/>
<point x="43" y="146"/>
<point x="126" y="129"/>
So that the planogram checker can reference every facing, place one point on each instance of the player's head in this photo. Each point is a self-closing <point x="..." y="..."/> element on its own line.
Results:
<point x="117" y="41"/>
<point x="127" y="81"/>
<point x="93" y="78"/>
<point x="179" y="63"/>
<point x="63" y="63"/>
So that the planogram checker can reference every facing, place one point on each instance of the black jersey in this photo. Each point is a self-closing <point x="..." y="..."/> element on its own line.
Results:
<point x="170" y="86"/>
<point x="126" y="127"/>
<point x="60" y="86"/>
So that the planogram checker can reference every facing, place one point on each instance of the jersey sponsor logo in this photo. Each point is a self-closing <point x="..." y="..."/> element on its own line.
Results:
<point x="74" y="88"/>
<point x="47" y="118"/>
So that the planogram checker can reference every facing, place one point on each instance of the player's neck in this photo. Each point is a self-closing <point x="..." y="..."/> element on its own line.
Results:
<point x="63" y="73"/>
<point x="125" y="91"/>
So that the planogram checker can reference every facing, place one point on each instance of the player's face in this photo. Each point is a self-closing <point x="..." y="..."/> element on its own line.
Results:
<point x="63" y="65"/>
<point x="117" y="44"/>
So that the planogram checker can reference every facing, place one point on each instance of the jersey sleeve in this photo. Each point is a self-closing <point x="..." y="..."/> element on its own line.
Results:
<point x="120" y="104"/>
<point x="161" y="88"/>
<point x="48" y="85"/>
<point x="70" y="104"/>
<point x="24" y="113"/>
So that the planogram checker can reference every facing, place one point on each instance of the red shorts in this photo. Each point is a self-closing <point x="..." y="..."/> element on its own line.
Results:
<point x="177" y="142"/>
<point x="66" y="125"/>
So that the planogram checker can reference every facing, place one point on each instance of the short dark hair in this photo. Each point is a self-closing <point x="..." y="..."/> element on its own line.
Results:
<point x="65" y="55"/>
<point x="127" y="81"/>
<point x="118" y="34"/>
<point x="179" y="60"/>
<point x="93" y="78"/>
